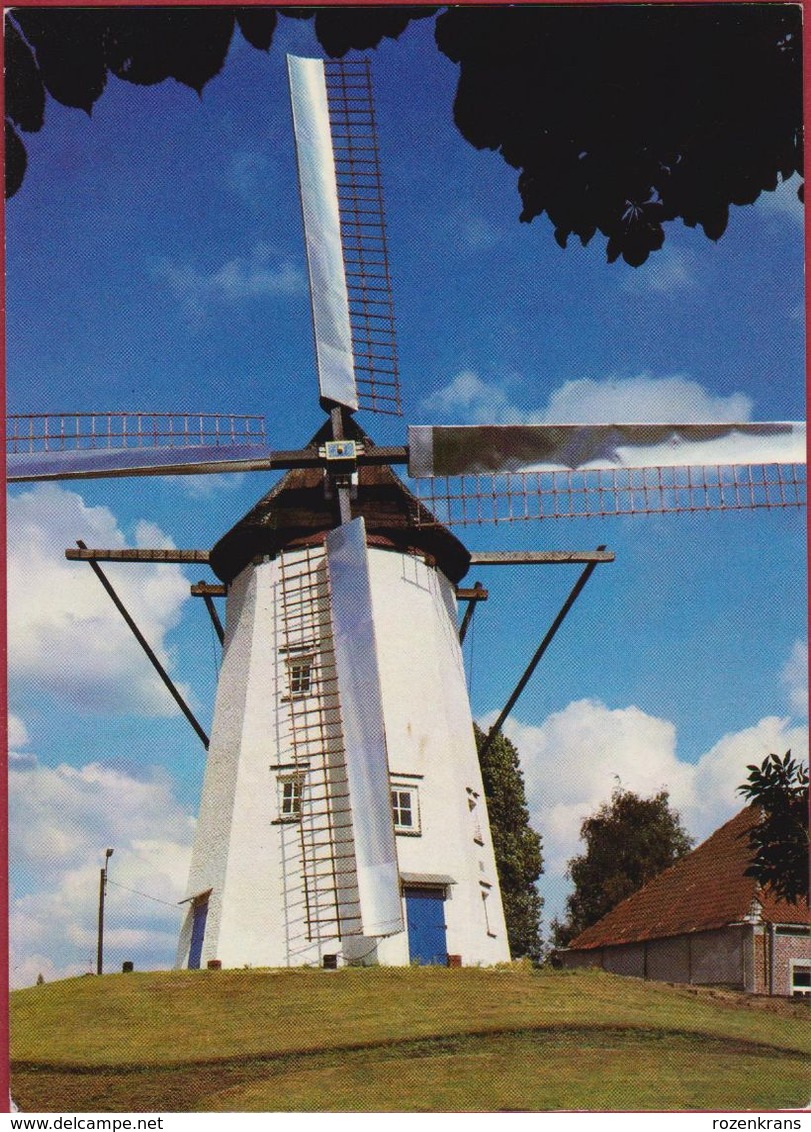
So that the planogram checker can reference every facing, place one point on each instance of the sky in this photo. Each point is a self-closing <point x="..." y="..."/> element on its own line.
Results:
<point x="155" y="262"/>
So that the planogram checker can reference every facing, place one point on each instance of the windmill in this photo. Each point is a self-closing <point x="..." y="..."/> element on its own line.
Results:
<point x="343" y="815"/>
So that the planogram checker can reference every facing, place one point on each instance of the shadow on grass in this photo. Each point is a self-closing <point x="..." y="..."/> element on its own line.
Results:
<point x="591" y="1068"/>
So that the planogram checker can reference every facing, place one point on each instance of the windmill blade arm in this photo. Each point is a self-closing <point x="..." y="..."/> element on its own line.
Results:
<point x="23" y="467"/>
<point x="477" y="449"/>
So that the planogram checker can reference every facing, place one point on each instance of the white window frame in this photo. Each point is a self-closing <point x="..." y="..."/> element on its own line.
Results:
<point x="300" y="676"/>
<point x="794" y="966"/>
<point x="291" y="793"/>
<point x="413" y="808"/>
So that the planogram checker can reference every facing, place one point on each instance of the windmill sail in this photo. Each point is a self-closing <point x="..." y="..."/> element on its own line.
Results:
<point x="364" y="733"/>
<point x="505" y="473"/>
<point x="322" y="232"/>
<point x="345" y="234"/>
<point x="55" y="446"/>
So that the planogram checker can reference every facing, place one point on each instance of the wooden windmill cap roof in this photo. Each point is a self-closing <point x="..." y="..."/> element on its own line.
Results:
<point x="296" y="513"/>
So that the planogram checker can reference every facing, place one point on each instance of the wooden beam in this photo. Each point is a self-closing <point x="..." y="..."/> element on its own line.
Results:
<point x="136" y="632"/>
<point x="208" y="592"/>
<point x="478" y="593"/>
<point x="539" y="557"/>
<point x="86" y="554"/>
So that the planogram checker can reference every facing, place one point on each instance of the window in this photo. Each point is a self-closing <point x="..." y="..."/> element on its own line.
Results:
<point x="405" y="809"/>
<point x="800" y="978"/>
<point x="300" y="675"/>
<point x="291" y="790"/>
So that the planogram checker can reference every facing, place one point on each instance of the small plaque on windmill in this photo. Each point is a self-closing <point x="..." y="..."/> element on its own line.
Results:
<point x="340" y="455"/>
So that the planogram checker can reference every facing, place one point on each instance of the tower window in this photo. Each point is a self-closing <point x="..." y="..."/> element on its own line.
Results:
<point x="300" y="676"/>
<point x="405" y="809"/>
<point x="290" y="800"/>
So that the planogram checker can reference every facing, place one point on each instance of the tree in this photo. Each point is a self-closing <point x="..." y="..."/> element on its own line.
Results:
<point x="618" y="118"/>
<point x="517" y="846"/>
<point x="779" y="841"/>
<point x="628" y="842"/>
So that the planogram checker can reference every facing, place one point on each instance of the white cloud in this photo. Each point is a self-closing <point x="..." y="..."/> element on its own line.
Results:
<point x="661" y="400"/>
<point x="208" y="487"/>
<point x="260" y="272"/>
<point x="783" y="201"/>
<point x="17" y="732"/>
<point x="61" y="820"/>
<point x="675" y="399"/>
<point x="668" y="272"/>
<point x="574" y="760"/>
<point x="469" y="399"/>
<point x="64" y="634"/>
<point x="794" y="676"/>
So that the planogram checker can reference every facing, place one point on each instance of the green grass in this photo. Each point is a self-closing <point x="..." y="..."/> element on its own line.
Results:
<point x="389" y="1039"/>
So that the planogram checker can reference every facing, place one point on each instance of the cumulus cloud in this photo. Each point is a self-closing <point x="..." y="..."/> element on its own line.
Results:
<point x="669" y="272"/>
<point x="206" y="488"/>
<point x="795" y="678"/>
<point x="575" y="759"/>
<point x="57" y="611"/>
<point x="61" y="819"/>
<point x="783" y="201"/>
<point x="468" y="399"/>
<point x="261" y="272"/>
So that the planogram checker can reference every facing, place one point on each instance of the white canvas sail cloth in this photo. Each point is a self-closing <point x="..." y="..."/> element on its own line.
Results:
<point x="437" y="451"/>
<point x="322" y="231"/>
<point x="367" y="767"/>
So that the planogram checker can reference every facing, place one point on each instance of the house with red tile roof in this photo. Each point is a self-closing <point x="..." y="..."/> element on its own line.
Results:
<point x="703" y="921"/>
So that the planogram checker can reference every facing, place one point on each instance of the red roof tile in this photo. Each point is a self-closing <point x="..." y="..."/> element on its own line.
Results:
<point x="706" y="889"/>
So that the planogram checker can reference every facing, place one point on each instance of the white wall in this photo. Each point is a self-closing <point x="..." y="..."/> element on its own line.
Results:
<point x="241" y="851"/>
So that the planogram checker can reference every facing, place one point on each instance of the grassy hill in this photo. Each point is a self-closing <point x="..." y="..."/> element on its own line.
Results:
<point x="400" y="1039"/>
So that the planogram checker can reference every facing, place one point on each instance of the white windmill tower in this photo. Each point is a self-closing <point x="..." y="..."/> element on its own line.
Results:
<point x="343" y="815"/>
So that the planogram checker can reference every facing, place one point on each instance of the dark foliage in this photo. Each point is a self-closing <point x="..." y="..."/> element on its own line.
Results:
<point x="517" y="846"/>
<point x="779" y="842"/>
<point x="618" y="118"/>
<point x="69" y="52"/>
<point x="622" y="117"/>
<point x="628" y="842"/>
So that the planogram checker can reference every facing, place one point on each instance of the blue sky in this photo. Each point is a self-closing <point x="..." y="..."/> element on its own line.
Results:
<point x="155" y="261"/>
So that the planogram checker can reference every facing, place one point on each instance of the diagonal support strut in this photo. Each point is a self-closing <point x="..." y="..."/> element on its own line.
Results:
<point x="542" y="647"/>
<point x="142" y="641"/>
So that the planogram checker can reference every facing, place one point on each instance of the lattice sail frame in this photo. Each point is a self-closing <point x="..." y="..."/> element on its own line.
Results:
<point x="30" y="433"/>
<point x="363" y="234"/>
<point x="506" y="473"/>
<point x="524" y="496"/>
<point x="344" y="234"/>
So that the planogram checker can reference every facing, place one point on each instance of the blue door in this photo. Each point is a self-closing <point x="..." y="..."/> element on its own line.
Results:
<point x="425" y="918"/>
<point x="198" y="931"/>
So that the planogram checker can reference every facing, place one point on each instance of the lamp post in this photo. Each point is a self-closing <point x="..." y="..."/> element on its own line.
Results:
<point x="102" y="890"/>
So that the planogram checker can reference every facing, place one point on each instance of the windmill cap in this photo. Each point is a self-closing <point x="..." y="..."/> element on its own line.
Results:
<point x="297" y="513"/>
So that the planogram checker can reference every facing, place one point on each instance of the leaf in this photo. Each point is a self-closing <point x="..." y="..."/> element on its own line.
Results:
<point x="340" y="30"/>
<point x="69" y="48"/>
<point x="24" y="92"/>
<point x="257" y="25"/>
